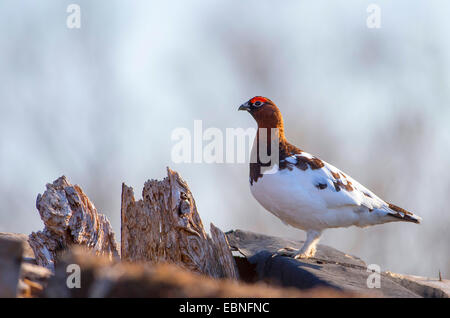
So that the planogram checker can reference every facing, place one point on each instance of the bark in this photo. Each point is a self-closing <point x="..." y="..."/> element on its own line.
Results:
<point x="165" y="226"/>
<point x="70" y="218"/>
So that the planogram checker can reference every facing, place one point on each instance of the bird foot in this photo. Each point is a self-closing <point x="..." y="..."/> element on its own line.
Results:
<point x="306" y="255"/>
<point x="287" y="251"/>
<point x="295" y="253"/>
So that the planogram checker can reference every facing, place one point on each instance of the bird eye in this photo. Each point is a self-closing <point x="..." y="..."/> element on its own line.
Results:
<point x="258" y="103"/>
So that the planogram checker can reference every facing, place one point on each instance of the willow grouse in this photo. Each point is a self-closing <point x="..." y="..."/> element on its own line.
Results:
<point x="306" y="192"/>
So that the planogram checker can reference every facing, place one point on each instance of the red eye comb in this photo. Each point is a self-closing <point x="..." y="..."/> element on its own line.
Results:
<point x="258" y="99"/>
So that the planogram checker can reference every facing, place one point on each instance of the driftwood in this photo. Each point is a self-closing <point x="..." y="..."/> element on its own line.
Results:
<point x="10" y="259"/>
<point x="329" y="268"/>
<point x="33" y="278"/>
<point x="165" y="227"/>
<point x="101" y="278"/>
<point x="69" y="218"/>
<point x="28" y="254"/>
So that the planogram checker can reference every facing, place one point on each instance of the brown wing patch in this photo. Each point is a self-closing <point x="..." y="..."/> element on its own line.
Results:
<point x="348" y="186"/>
<point x="288" y="150"/>
<point x="339" y="182"/>
<point x="335" y="175"/>
<point x="313" y="163"/>
<point x="367" y="194"/>
<point x="301" y="164"/>
<point x="336" y="186"/>
<point x="399" y="209"/>
<point x="407" y="216"/>
<point x="321" y="186"/>
<point x="316" y="163"/>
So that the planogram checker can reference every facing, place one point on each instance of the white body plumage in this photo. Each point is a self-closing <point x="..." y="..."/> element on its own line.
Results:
<point x="294" y="197"/>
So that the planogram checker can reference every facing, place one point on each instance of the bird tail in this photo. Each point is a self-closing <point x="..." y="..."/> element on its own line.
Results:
<point x="402" y="214"/>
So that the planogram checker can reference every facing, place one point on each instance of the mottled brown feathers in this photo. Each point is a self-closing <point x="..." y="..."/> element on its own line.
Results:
<point x="399" y="209"/>
<point x="338" y="185"/>
<point x="335" y="175"/>
<point x="304" y="163"/>
<point x="407" y="216"/>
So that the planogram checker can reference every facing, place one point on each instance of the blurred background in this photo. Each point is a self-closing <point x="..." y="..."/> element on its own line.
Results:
<point x="98" y="104"/>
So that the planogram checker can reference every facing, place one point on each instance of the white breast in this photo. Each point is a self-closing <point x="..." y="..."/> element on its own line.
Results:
<point x="292" y="195"/>
<point x="287" y="195"/>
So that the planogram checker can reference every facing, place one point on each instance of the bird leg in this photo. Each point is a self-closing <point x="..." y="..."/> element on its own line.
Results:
<point x="308" y="249"/>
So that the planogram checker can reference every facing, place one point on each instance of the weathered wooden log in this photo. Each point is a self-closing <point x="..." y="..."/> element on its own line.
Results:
<point x="102" y="278"/>
<point x="10" y="260"/>
<point x="329" y="268"/>
<point x="164" y="226"/>
<point x="28" y="254"/>
<point x="32" y="278"/>
<point x="69" y="218"/>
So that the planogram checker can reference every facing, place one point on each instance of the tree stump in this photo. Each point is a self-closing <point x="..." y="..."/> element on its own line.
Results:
<point x="164" y="226"/>
<point x="69" y="218"/>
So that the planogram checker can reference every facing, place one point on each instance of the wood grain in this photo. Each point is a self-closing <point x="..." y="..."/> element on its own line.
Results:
<point x="164" y="226"/>
<point x="70" y="218"/>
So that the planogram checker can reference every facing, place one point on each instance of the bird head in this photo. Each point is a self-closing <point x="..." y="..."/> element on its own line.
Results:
<point x="264" y="111"/>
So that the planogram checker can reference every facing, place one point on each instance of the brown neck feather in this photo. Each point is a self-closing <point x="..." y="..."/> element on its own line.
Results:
<point x="270" y="117"/>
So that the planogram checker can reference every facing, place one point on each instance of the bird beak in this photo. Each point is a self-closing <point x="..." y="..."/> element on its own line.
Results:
<point x="244" y="107"/>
